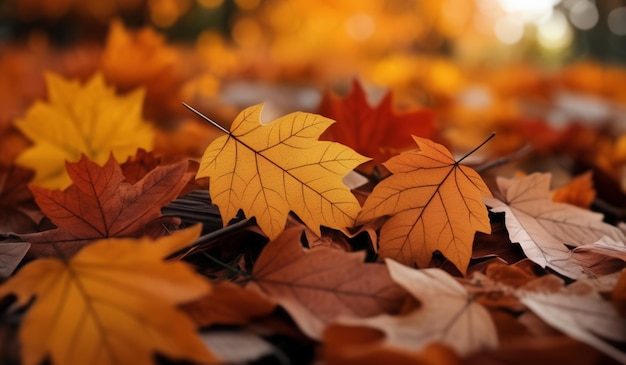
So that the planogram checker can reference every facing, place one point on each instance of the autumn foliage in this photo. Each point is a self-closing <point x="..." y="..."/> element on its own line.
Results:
<point x="138" y="230"/>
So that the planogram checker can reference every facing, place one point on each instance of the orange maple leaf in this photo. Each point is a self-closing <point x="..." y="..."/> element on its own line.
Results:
<point x="148" y="62"/>
<point x="378" y="132"/>
<point x="317" y="286"/>
<point x="579" y="191"/>
<point x="112" y="303"/>
<point x="433" y="204"/>
<point x="101" y="204"/>
<point x="148" y="59"/>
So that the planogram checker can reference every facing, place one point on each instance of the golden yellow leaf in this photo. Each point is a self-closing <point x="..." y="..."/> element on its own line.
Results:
<point x="113" y="303"/>
<point x="269" y="170"/>
<point x="433" y="204"/>
<point x="89" y="119"/>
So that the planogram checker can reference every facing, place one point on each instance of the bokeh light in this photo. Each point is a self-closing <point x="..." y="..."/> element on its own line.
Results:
<point x="360" y="26"/>
<point x="529" y="11"/>
<point x="555" y="33"/>
<point x="617" y="21"/>
<point x="584" y="15"/>
<point x="509" y="29"/>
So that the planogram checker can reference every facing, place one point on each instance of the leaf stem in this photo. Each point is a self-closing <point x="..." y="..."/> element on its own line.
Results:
<point x="213" y="123"/>
<point x="493" y="134"/>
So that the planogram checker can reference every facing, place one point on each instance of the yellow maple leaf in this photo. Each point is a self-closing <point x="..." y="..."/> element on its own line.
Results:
<point x="113" y="303"/>
<point x="89" y="119"/>
<point x="269" y="170"/>
<point x="433" y="204"/>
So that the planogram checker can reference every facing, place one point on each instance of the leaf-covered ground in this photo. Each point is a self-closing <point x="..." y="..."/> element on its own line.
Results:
<point x="458" y="215"/>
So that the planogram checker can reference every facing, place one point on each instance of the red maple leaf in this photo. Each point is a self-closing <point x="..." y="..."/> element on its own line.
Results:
<point x="378" y="132"/>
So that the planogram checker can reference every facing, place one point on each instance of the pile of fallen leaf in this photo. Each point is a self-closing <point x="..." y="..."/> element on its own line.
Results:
<point x="134" y="230"/>
<point x="302" y="249"/>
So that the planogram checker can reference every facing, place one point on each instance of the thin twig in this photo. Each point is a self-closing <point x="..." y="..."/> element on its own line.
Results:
<point x="232" y="269"/>
<point x="220" y="232"/>
<point x="505" y="159"/>
<point x="604" y="206"/>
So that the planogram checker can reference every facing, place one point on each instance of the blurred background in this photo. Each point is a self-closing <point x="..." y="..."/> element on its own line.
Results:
<point x="546" y="72"/>
<point x="389" y="43"/>
<point x="553" y="31"/>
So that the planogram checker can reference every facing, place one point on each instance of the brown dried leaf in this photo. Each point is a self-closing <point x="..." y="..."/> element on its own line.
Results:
<point x="318" y="286"/>
<point x="618" y="296"/>
<point x="18" y="211"/>
<point x="542" y="227"/>
<point x="229" y="304"/>
<point x="11" y="254"/>
<point x="347" y="345"/>
<point x="448" y="314"/>
<point x="602" y="257"/>
<point x="587" y="318"/>
<point x="100" y="204"/>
